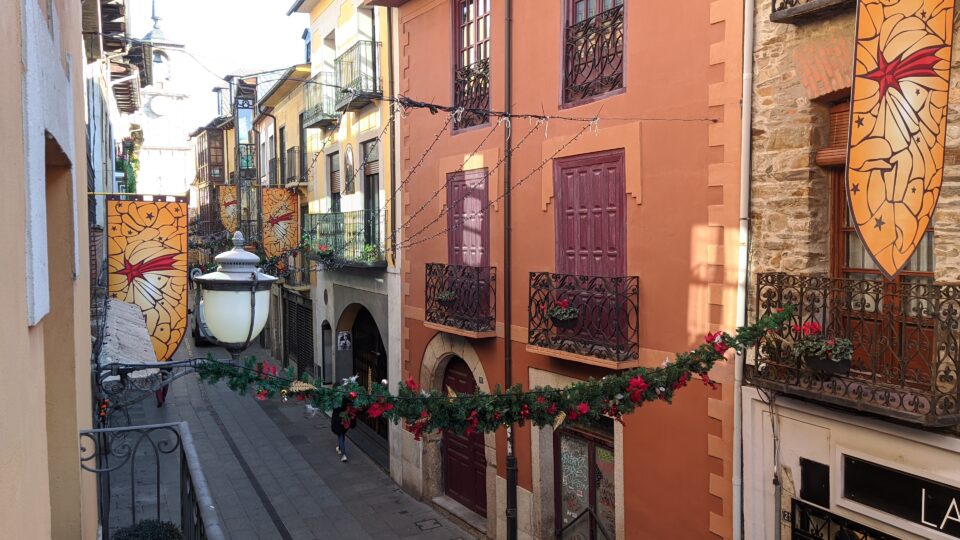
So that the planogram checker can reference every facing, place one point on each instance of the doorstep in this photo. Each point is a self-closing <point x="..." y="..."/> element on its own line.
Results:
<point x="474" y="522"/>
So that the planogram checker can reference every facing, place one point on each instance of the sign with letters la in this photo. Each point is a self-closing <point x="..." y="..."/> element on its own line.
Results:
<point x="898" y="123"/>
<point x="928" y="503"/>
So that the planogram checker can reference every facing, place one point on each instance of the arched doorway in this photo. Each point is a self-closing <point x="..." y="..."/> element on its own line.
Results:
<point x="369" y="362"/>
<point x="464" y="459"/>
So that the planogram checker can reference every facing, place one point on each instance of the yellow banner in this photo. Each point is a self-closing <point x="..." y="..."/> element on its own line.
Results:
<point x="229" y="207"/>
<point x="147" y="258"/>
<point x="898" y="123"/>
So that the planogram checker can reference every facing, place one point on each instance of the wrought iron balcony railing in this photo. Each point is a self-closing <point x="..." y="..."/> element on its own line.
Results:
<point x="292" y="174"/>
<point x="905" y="340"/>
<point x="356" y="238"/>
<point x="358" y="75"/>
<point x="593" y="56"/>
<point x="472" y="91"/>
<point x="462" y="297"/>
<point x="320" y="101"/>
<point x="798" y="10"/>
<point x="606" y="329"/>
<point x="247" y="160"/>
<point x="149" y="472"/>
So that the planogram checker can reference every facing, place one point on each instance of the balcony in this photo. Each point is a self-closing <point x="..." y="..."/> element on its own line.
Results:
<point x="247" y="159"/>
<point x="320" y="101"/>
<point x="593" y="56"/>
<point x="795" y="11"/>
<point x="905" y="345"/>
<point x="292" y="174"/>
<point x="472" y="91"/>
<point x="358" y="76"/>
<point x="356" y="238"/>
<point x="606" y="331"/>
<point x="461" y="300"/>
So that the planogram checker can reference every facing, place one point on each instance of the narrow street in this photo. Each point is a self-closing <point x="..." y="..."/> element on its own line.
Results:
<point x="273" y="472"/>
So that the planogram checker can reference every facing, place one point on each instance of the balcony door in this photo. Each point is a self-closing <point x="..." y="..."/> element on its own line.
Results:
<point x="468" y="240"/>
<point x="591" y="218"/>
<point x="889" y="321"/>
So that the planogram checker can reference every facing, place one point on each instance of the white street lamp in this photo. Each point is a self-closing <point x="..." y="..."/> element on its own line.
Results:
<point x="236" y="298"/>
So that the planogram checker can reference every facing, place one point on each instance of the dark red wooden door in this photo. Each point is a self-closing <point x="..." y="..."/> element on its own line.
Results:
<point x="467" y="218"/>
<point x="591" y="215"/>
<point x="464" y="462"/>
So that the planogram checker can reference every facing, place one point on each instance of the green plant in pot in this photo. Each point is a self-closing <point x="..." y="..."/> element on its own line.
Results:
<point x="562" y="314"/>
<point x="820" y="352"/>
<point x="446" y="297"/>
<point x="324" y="251"/>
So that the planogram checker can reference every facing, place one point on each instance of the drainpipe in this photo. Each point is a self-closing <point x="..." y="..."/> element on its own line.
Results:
<point x="393" y="138"/>
<point x="743" y="259"/>
<point x="511" y="512"/>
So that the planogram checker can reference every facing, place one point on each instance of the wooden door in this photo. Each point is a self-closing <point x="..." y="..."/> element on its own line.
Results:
<point x="591" y="220"/>
<point x="468" y="240"/>
<point x="464" y="461"/>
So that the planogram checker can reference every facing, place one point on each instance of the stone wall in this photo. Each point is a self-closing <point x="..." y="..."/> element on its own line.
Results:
<point x="800" y="70"/>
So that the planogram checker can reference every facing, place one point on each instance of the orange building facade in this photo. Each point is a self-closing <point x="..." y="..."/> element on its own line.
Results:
<point x="632" y="220"/>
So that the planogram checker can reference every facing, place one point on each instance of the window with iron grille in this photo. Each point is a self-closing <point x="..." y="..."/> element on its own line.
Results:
<point x="471" y="70"/>
<point x="593" y="49"/>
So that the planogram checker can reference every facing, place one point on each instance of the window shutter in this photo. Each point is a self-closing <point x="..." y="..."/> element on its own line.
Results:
<point x="372" y="168"/>
<point x="835" y="152"/>
<point x="335" y="181"/>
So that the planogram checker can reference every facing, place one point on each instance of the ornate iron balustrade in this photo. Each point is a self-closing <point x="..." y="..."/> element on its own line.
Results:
<point x="320" y="101"/>
<point x="472" y="91"/>
<point x="293" y="164"/>
<point x="463" y="297"/>
<point x="358" y="75"/>
<point x="356" y="238"/>
<point x="593" y="56"/>
<point x="811" y="523"/>
<point x="247" y="159"/>
<point x="905" y="338"/>
<point x="607" y="327"/>
<point x="133" y="481"/>
<point x="794" y="10"/>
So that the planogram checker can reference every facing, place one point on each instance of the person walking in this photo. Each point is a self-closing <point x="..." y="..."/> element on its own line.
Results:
<point x="339" y="426"/>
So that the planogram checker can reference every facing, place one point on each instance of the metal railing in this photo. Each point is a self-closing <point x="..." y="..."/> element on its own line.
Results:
<point x="292" y="173"/>
<point x="320" y="101"/>
<point x="905" y="340"/>
<point x="358" y="73"/>
<point x="807" y="522"/>
<point x="135" y="479"/>
<point x="607" y="326"/>
<point x="463" y="297"/>
<point x="593" y="55"/>
<point x="356" y="238"/>
<point x="472" y="91"/>
<point x="247" y="159"/>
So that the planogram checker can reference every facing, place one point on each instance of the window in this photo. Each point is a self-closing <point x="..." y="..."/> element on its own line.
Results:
<point x="584" y="483"/>
<point x="307" y="43"/>
<point x="333" y="166"/>
<point x="471" y="73"/>
<point x="593" y="49"/>
<point x="371" y="191"/>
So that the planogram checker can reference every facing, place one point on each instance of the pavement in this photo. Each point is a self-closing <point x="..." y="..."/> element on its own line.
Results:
<point x="273" y="471"/>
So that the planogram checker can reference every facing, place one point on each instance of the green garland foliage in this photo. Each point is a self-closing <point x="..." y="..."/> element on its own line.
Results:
<point x="614" y="395"/>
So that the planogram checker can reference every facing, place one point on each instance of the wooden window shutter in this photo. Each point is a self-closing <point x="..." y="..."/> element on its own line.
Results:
<point x="372" y="168"/>
<point x="835" y="152"/>
<point x="333" y="165"/>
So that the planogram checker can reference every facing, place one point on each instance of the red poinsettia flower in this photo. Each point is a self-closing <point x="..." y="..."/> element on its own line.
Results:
<point x="583" y="408"/>
<point x="412" y="385"/>
<point x="262" y="395"/>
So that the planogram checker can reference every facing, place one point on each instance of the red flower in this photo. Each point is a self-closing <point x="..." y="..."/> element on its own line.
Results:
<point x="377" y="409"/>
<point x="707" y="381"/>
<point x="552" y="409"/>
<point x="353" y="395"/>
<point x="564" y="303"/>
<point x="412" y="385"/>
<point x="541" y="399"/>
<point x="682" y="381"/>
<point x="572" y="415"/>
<point x="472" y="422"/>
<point x="636" y="388"/>
<point x="524" y="411"/>
<point x="583" y="408"/>
<point x="301" y="397"/>
<point x="716" y="339"/>
<point x="262" y="395"/>
<point x="831" y="342"/>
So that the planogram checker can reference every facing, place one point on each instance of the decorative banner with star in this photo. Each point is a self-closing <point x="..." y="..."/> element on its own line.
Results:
<point x="229" y="208"/>
<point x="147" y="259"/>
<point x="281" y="226"/>
<point x="898" y="123"/>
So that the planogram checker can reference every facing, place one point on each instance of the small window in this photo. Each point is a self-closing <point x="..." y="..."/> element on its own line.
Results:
<point x="471" y="74"/>
<point x="333" y="166"/>
<point x="593" y="49"/>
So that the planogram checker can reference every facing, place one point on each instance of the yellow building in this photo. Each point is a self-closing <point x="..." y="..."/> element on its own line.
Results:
<point x="350" y="129"/>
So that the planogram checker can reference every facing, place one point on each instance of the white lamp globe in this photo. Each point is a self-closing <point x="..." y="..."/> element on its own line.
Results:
<point x="236" y="297"/>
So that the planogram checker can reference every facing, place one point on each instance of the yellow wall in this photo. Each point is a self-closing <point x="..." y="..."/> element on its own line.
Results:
<point x="45" y="388"/>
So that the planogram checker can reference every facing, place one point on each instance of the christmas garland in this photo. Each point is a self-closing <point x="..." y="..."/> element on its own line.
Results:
<point x="421" y="410"/>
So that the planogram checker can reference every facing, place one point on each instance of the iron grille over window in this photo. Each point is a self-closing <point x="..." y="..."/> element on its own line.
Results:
<point x="293" y="162"/>
<point x="471" y="75"/>
<point x="593" y="49"/>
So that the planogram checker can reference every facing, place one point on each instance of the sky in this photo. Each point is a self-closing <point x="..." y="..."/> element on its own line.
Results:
<point x="223" y="36"/>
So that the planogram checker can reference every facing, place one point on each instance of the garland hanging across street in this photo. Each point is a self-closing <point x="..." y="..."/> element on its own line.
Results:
<point x="422" y="410"/>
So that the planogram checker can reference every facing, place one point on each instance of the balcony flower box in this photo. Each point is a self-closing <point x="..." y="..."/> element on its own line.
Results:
<point x="446" y="298"/>
<point x="563" y="315"/>
<point x="827" y="365"/>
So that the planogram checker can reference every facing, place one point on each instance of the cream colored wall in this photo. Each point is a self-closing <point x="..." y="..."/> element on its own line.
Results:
<point x="45" y="390"/>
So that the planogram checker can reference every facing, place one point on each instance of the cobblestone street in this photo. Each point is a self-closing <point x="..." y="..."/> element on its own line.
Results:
<point x="273" y="472"/>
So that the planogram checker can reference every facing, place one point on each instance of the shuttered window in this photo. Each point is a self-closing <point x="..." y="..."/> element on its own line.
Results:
<point x="835" y="152"/>
<point x="333" y="166"/>
<point x="371" y="157"/>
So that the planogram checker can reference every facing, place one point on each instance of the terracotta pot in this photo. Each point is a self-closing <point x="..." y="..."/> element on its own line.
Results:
<point x="564" y="324"/>
<point x="824" y="364"/>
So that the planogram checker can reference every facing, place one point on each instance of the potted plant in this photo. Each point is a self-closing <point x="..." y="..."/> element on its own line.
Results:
<point x="371" y="253"/>
<point x="446" y="297"/>
<point x="819" y="352"/>
<point x="324" y="251"/>
<point x="563" y="315"/>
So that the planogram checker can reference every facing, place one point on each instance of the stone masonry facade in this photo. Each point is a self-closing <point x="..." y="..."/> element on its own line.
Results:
<point x="800" y="71"/>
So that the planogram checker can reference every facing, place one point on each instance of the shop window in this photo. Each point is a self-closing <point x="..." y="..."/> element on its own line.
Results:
<point x="584" y="483"/>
